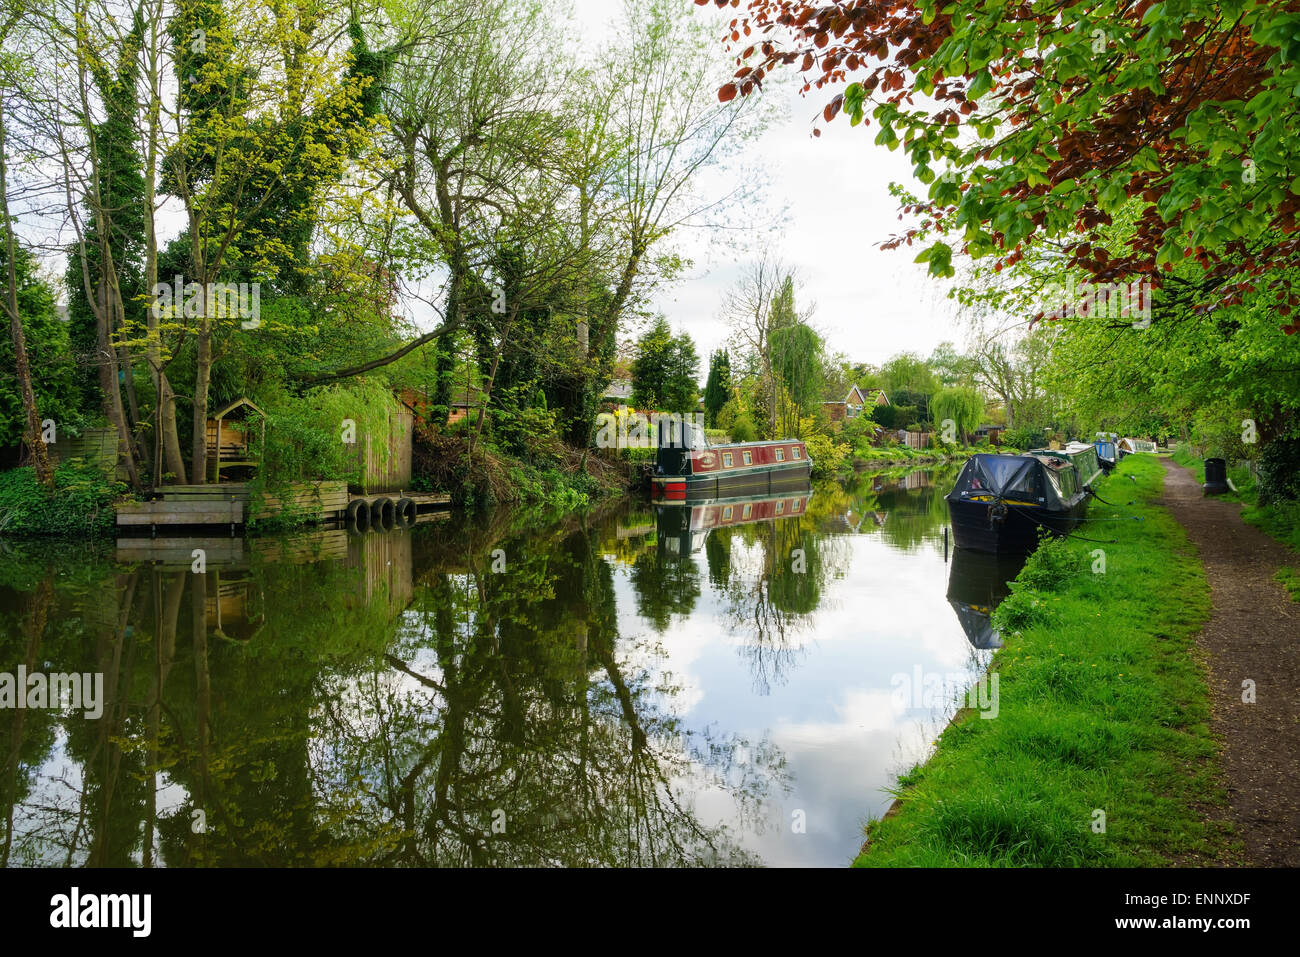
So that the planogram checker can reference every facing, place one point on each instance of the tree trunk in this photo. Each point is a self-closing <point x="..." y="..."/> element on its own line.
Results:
<point x="173" y="462"/>
<point x="202" y="379"/>
<point x="23" y="369"/>
<point x="109" y="371"/>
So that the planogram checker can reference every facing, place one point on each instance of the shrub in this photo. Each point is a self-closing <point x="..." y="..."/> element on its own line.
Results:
<point x="1025" y="437"/>
<point x="304" y="436"/>
<point x="828" y="456"/>
<point x="1051" y="566"/>
<point x="743" y="429"/>
<point x="1279" y="471"/>
<point x="528" y="433"/>
<point x="82" y="503"/>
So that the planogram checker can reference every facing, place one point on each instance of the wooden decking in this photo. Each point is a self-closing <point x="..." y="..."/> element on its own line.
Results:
<point x="230" y="504"/>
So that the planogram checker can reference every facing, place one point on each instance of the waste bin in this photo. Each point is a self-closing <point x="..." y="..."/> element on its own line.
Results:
<point x="1216" y="477"/>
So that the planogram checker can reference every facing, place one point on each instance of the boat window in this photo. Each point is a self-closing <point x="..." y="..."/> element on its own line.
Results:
<point x="1025" y="483"/>
<point x="726" y="514"/>
<point x="780" y="455"/>
<point x="749" y="509"/>
<point x="798" y="452"/>
<point x="748" y="457"/>
<point x="726" y="459"/>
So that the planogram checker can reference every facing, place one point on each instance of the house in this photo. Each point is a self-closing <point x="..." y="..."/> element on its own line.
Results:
<point x="853" y="404"/>
<point x="463" y="403"/>
<point x="618" y="392"/>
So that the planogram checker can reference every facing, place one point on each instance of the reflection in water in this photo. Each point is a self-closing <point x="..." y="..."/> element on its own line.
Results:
<point x="976" y="585"/>
<point x="634" y="687"/>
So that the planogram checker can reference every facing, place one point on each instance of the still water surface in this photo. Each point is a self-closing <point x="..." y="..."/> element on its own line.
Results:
<point x="630" y="687"/>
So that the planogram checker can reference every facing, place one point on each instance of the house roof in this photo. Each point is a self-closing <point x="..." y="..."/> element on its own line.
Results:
<point x="867" y="396"/>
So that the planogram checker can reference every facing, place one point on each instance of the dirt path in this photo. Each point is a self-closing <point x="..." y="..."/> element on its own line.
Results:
<point x="1253" y="633"/>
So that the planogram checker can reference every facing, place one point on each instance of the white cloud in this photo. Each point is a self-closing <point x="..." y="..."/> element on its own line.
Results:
<point x="834" y="189"/>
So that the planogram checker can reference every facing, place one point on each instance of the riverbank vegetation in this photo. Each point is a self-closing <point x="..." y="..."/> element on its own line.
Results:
<point x="345" y="216"/>
<point x="1100" y="753"/>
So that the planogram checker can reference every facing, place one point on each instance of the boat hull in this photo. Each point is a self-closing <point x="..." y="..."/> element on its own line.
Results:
<point x="791" y="476"/>
<point x="976" y="527"/>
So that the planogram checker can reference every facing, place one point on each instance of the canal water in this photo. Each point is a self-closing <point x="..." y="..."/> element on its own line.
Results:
<point x="727" y="685"/>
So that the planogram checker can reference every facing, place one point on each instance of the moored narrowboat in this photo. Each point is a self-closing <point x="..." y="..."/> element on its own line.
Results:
<point x="1107" y="450"/>
<point x="690" y="468"/>
<point x="1129" y="446"/>
<point x="1000" y="503"/>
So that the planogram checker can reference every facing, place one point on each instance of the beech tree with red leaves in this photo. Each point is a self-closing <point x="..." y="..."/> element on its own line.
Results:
<point x="1038" y="122"/>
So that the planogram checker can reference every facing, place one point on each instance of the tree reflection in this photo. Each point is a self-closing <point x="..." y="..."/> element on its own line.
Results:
<point x="412" y="699"/>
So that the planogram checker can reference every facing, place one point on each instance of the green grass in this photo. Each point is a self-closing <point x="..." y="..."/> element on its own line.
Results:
<point x="1102" y="705"/>
<point x="1281" y="520"/>
<point x="1290" y="579"/>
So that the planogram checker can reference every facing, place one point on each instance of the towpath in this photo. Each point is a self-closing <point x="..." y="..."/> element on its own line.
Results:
<point x="1253" y="635"/>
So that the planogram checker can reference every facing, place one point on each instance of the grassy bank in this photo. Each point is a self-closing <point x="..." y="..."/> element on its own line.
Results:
<point x="1103" y="707"/>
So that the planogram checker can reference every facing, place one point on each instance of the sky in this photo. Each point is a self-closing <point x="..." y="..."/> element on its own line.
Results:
<point x="833" y="192"/>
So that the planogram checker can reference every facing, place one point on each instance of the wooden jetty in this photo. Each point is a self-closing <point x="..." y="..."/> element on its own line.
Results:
<point x="230" y="504"/>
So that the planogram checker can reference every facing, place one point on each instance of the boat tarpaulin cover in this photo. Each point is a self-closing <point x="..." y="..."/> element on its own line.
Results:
<point x="1022" y="477"/>
<point x="996" y="474"/>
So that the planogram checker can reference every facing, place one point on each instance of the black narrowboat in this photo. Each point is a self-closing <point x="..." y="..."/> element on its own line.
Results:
<point x="688" y="468"/>
<point x="1107" y="450"/>
<point x="1001" y="502"/>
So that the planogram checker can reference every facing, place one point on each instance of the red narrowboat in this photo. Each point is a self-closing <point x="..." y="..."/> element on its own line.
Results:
<point x="689" y="468"/>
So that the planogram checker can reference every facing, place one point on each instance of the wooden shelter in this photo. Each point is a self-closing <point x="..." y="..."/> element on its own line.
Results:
<point x="228" y="443"/>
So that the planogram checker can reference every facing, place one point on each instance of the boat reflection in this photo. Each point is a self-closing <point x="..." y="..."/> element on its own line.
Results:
<point x="682" y="528"/>
<point x="977" y="584"/>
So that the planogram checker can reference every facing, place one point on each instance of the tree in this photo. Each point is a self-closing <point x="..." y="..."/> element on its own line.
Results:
<point x="637" y="124"/>
<point x="907" y="372"/>
<point x="797" y="361"/>
<point x="683" y="388"/>
<point x="664" y="370"/>
<point x="31" y="431"/>
<point x="1068" y="113"/>
<point x="717" y="390"/>
<point x="756" y="308"/>
<point x="270" y="111"/>
<point x="45" y="337"/>
<point x="950" y="367"/>
<point x="963" y="405"/>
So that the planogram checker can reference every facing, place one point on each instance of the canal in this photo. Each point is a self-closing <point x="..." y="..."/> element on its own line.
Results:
<point x="628" y="687"/>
